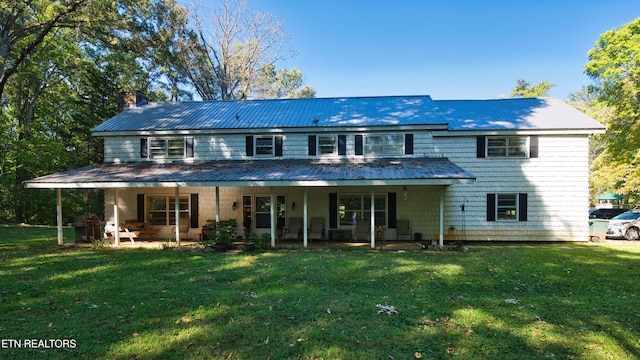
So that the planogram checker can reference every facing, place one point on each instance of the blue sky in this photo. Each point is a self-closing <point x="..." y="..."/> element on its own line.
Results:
<point x="447" y="49"/>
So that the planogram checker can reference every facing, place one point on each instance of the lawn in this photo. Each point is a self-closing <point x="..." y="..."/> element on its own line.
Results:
<point x="566" y="301"/>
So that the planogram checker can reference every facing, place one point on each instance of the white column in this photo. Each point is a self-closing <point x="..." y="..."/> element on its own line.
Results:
<point x="272" y="214"/>
<point x="59" y="214"/>
<point x="177" y="215"/>
<point x="373" y="220"/>
<point x="305" y="233"/>
<point x="217" y="211"/>
<point x="116" y="218"/>
<point x="441" y="236"/>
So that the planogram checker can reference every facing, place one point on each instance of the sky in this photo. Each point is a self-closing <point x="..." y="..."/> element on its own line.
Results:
<point x="455" y="49"/>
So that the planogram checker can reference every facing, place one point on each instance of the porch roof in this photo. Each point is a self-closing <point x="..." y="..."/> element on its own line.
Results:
<point x="299" y="172"/>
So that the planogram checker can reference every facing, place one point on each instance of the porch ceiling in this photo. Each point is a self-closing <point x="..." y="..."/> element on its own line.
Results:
<point x="367" y="172"/>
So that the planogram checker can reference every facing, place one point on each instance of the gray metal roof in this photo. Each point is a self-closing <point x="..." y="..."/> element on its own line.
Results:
<point x="454" y="115"/>
<point x="418" y="171"/>
<point x="513" y="114"/>
<point x="280" y="113"/>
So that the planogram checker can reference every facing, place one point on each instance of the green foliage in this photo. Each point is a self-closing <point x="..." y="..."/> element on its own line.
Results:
<point x="523" y="89"/>
<point x="613" y="65"/>
<point x="491" y="302"/>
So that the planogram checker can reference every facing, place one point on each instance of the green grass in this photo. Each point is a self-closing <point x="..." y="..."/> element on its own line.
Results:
<point x="567" y="301"/>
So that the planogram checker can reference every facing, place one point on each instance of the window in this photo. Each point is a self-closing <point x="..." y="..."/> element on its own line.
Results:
<point x="361" y="206"/>
<point x="327" y="145"/>
<point x="389" y="144"/>
<point x="263" y="211"/>
<point x="511" y="146"/>
<point x="264" y="146"/>
<point x="171" y="148"/>
<point x="161" y="209"/>
<point x="507" y="207"/>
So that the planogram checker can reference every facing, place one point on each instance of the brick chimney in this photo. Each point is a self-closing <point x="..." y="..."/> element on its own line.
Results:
<point x="129" y="99"/>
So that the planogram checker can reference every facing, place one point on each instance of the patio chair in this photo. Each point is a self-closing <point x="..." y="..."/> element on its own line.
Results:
<point x="317" y="229"/>
<point x="294" y="230"/>
<point x="403" y="229"/>
<point x="183" y="226"/>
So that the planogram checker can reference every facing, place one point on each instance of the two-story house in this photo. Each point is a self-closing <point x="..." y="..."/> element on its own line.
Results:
<point x="500" y="170"/>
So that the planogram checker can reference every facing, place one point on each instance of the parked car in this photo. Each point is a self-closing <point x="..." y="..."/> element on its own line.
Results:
<point x="632" y="230"/>
<point x="618" y="225"/>
<point x="605" y="213"/>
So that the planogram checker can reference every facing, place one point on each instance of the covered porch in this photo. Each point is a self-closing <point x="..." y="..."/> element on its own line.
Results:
<point x="368" y="177"/>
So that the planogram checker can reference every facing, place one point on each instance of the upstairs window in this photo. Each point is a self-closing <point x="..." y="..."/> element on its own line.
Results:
<point x="264" y="146"/>
<point x="507" y="147"/>
<point x="327" y="145"/>
<point x="166" y="148"/>
<point x="511" y="146"/>
<point x="387" y="144"/>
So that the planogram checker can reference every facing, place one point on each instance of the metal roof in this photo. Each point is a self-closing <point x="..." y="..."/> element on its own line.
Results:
<point x="514" y="114"/>
<point x="280" y="113"/>
<point x="413" y="171"/>
<point x="452" y="115"/>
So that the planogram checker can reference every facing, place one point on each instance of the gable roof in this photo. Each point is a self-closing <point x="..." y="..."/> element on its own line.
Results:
<point x="278" y="113"/>
<point x="350" y="112"/>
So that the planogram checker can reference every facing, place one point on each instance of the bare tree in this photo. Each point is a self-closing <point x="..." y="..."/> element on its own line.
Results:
<point x="237" y="43"/>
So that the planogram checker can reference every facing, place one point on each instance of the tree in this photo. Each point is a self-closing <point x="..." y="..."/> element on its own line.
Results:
<point x="63" y="66"/>
<point x="614" y="65"/>
<point x="235" y="55"/>
<point x="523" y="89"/>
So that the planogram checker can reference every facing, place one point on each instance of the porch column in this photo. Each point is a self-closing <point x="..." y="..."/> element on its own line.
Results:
<point x="116" y="218"/>
<point x="441" y="235"/>
<point x="217" y="211"/>
<point x="272" y="213"/>
<point x="373" y="220"/>
<point x="59" y="214"/>
<point x="176" y="210"/>
<point x="305" y="234"/>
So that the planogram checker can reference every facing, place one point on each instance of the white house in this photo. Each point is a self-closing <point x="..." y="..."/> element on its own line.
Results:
<point x="499" y="170"/>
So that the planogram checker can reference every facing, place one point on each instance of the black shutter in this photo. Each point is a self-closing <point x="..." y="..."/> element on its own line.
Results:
<point x="359" y="147"/>
<point x="144" y="150"/>
<point x="342" y="144"/>
<point x="312" y="145"/>
<point x="333" y="210"/>
<point x="408" y="144"/>
<point x="522" y="207"/>
<point x="140" y="201"/>
<point x="194" y="211"/>
<point x="392" y="210"/>
<point x="189" y="145"/>
<point x="249" y="146"/>
<point x="278" y="146"/>
<point x="491" y="207"/>
<point x="480" y="147"/>
<point x="533" y="147"/>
